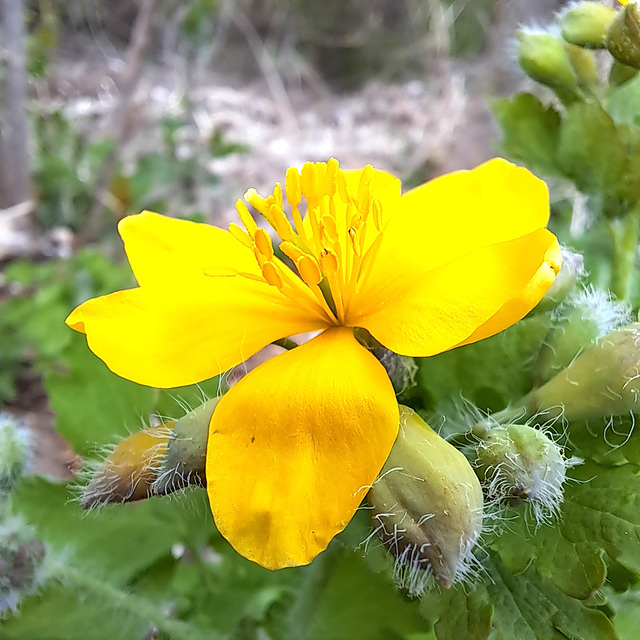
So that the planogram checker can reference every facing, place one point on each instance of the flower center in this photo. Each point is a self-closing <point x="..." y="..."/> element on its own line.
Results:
<point x="326" y="246"/>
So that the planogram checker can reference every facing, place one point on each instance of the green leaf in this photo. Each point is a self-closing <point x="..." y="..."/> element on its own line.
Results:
<point x="591" y="151"/>
<point x="360" y="605"/>
<point x="623" y="102"/>
<point x="490" y="373"/>
<point x="524" y="606"/>
<point x="531" y="132"/>
<point x="117" y="541"/>
<point x="600" y="515"/>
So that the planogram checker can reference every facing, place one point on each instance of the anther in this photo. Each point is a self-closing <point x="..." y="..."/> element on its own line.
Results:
<point x="277" y="195"/>
<point x="263" y="243"/>
<point x="330" y="177"/>
<point x="329" y="228"/>
<point x="309" y="182"/>
<point x="241" y="235"/>
<point x="328" y="261"/>
<point x="271" y="275"/>
<point x="294" y="192"/>
<point x="246" y="218"/>
<point x="309" y="270"/>
<point x="342" y="187"/>
<point x="291" y="251"/>
<point x="256" y="200"/>
<point x="279" y="221"/>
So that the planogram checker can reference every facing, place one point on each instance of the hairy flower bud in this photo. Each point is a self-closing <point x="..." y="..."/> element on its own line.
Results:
<point x="401" y="370"/>
<point x="21" y="564"/>
<point x="14" y="451"/>
<point x="520" y="464"/>
<point x="543" y="57"/>
<point x="586" y="24"/>
<point x="604" y="380"/>
<point x="426" y="506"/>
<point x="623" y="39"/>
<point x="578" y="323"/>
<point x="128" y="472"/>
<point x="185" y="461"/>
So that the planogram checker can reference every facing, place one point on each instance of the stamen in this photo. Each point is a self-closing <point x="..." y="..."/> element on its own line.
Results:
<point x="309" y="270"/>
<point x="271" y="275"/>
<point x="277" y="195"/>
<point x="329" y="182"/>
<point x="329" y="228"/>
<point x="328" y="261"/>
<point x="309" y="182"/>
<point x="343" y="191"/>
<point x="241" y="235"/>
<point x="256" y="200"/>
<point x="263" y="243"/>
<point x="294" y="191"/>
<point x="279" y="221"/>
<point x="246" y="218"/>
<point x="291" y="251"/>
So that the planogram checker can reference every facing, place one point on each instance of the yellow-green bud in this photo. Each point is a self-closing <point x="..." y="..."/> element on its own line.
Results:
<point x="185" y="461"/>
<point x="586" y="24"/>
<point x="572" y="269"/>
<point x="578" y="323"/>
<point x="621" y="73"/>
<point x="520" y="464"/>
<point x="543" y="57"/>
<point x="583" y="63"/>
<point x="14" y="451"/>
<point x="604" y="380"/>
<point x="623" y="39"/>
<point x="128" y="472"/>
<point x="427" y="507"/>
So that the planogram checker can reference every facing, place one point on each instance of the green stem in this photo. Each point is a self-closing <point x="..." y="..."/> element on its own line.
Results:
<point x="315" y="581"/>
<point x="286" y="343"/>
<point x="112" y="596"/>
<point x="624" y="236"/>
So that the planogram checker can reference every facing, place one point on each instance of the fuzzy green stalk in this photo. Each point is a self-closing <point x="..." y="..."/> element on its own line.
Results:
<point x="624" y="236"/>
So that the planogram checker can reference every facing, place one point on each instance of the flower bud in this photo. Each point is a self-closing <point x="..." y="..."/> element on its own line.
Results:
<point x="571" y="271"/>
<point x="586" y="24"/>
<point x="578" y="323"/>
<point x="14" y="451"/>
<point x="621" y="73"/>
<point x="520" y="464"/>
<point x="185" y="461"/>
<point x="129" y="471"/>
<point x="543" y="57"/>
<point x="583" y="63"/>
<point x="623" y="38"/>
<point x="426" y="507"/>
<point x="604" y="380"/>
<point x="21" y="564"/>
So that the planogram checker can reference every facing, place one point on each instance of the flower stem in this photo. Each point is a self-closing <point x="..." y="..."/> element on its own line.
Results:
<point x="112" y="596"/>
<point x="309" y="593"/>
<point x="286" y="343"/>
<point x="624" y="235"/>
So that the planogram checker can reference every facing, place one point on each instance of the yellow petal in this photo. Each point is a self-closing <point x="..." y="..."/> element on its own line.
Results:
<point x="457" y="213"/>
<point x="294" y="446"/>
<point x="423" y="313"/>
<point x="518" y="307"/>
<point x="176" y="335"/>
<point x="161" y="249"/>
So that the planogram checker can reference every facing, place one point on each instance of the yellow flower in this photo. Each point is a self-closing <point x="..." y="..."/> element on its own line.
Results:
<point x="294" y="446"/>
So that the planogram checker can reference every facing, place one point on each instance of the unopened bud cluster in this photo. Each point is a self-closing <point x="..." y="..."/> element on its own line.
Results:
<point x="562" y="57"/>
